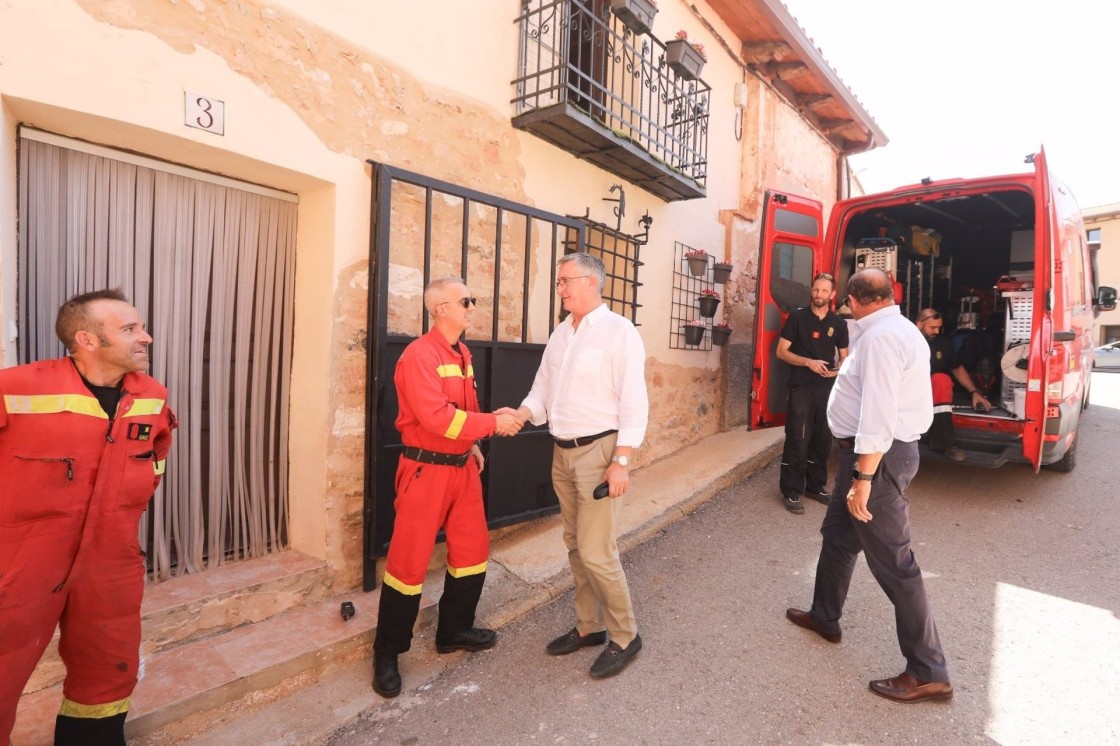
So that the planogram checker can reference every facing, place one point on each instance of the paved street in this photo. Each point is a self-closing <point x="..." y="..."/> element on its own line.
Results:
<point x="1022" y="569"/>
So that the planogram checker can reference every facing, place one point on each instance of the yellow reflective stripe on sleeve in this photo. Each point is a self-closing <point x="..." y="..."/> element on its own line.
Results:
<point x="470" y="371"/>
<point x="449" y="371"/>
<point x="53" y="404"/>
<point x="141" y="407"/>
<point x="463" y="572"/>
<point x="159" y="466"/>
<point x="107" y="710"/>
<point x="398" y="585"/>
<point x="456" y="425"/>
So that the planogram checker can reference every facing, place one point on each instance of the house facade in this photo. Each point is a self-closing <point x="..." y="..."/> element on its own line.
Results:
<point x="273" y="181"/>
<point x="1102" y="228"/>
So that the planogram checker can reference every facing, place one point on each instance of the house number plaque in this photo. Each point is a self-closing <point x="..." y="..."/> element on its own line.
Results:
<point x="205" y="113"/>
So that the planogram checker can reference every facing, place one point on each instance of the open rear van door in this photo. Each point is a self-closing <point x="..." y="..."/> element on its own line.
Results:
<point x="790" y="255"/>
<point x="1042" y="326"/>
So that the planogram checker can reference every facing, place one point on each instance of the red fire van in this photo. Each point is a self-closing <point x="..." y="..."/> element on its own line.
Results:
<point x="1004" y="259"/>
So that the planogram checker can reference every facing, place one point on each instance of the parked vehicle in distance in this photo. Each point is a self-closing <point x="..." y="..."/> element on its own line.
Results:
<point x="1107" y="356"/>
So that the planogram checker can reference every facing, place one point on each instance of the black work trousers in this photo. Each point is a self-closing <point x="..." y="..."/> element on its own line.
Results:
<point x="885" y="541"/>
<point x="808" y="441"/>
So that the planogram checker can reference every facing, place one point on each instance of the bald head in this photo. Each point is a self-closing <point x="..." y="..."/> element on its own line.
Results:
<point x="868" y="291"/>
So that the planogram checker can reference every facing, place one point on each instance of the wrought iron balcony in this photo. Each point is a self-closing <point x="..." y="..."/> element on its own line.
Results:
<point x="590" y="86"/>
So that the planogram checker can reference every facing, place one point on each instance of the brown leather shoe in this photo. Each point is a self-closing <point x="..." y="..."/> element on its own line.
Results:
<point x="802" y="619"/>
<point x="906" y="688"/>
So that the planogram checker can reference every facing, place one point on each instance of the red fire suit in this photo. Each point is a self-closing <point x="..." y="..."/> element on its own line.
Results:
<point x="438" y="413"/>
<point x="74" y="484"/>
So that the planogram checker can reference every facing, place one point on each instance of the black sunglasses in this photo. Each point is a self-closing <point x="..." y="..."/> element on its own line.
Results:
<point x="935" y="316"/>
<point x="464" y="302"/>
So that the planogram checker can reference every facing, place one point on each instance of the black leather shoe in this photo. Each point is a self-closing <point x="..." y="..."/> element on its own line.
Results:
<point x="802" y="619"/>
<point x="473" y="639"/>
<point x="821" y="496"/>
<point x="573" y="641"/>
<point x="906" y="688"/>
<point x="614" y="659"/>
<point x="386" y="674"/>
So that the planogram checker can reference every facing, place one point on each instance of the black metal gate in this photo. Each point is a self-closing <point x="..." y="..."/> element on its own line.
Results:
<point x="424" y="228"/>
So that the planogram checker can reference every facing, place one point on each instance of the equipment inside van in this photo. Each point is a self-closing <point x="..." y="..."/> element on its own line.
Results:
<point x="1005" y="262"/>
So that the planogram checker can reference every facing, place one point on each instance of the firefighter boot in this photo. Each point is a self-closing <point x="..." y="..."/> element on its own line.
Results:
<point x="386" y="674"/>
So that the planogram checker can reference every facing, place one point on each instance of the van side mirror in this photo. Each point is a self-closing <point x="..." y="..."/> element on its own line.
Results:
<point x="1106" y="298"/>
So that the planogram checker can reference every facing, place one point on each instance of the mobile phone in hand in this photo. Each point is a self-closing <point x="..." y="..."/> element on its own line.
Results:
<point x="601" y="491"/>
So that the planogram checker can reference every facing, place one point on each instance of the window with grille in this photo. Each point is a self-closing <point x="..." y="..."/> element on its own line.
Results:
<point x="619" y="252"/>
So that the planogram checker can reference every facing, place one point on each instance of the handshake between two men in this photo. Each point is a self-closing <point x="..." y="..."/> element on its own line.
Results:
<point x="510" y="421"/>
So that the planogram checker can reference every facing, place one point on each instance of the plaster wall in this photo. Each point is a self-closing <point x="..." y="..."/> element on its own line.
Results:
<point x="312" y="91"/>
<point x="1108" y="266"/>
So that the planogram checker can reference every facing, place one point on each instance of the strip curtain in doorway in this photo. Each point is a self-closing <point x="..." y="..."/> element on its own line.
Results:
<point x="211" y="267"/>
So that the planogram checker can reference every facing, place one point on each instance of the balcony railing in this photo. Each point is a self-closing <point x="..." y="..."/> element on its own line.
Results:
<point x="593" y="88"/>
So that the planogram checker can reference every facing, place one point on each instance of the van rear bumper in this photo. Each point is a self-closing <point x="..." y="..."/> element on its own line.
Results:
<point x="996" y="447"/>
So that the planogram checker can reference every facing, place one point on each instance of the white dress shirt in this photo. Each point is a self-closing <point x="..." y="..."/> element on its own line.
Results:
<point x="591" y="379"/>
<point x="883" y="391"/>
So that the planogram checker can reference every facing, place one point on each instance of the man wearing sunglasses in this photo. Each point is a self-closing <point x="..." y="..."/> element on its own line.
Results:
<point x="438" y="487"/>
<point x="942" y="362"/>
<point x="813" y="342"/>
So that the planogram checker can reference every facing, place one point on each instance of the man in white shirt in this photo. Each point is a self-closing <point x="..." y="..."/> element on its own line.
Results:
<point x="591" y="389"/>
<point x="880" y="405"/>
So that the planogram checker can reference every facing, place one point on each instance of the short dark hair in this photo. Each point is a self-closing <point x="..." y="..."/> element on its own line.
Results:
<point x="870" y="286"/>
<point x="74" y="316"/>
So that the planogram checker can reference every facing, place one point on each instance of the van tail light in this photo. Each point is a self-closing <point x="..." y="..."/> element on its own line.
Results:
<point x="1056" y="374"/>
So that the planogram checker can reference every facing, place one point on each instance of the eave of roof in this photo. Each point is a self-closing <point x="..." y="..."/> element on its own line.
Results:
<point x="777" y="50"/>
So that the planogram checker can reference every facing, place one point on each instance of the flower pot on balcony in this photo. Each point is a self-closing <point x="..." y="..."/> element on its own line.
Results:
<point x="721" y="272"/>
<point x="636" y="15"/>
<point x="720" y="335"/>
<point x="697" y="265"/>
<point x="683" y="58"/>
<point x="708" y="306"/>
<point x="693" y="335"/>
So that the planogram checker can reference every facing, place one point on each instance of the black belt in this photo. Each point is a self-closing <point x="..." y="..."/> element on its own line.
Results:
<point x="582" y="440"/>
<point x="435" y="457"/>
<point x="845" y="442"/>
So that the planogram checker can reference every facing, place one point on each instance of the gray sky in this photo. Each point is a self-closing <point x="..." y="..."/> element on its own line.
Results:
<point x="969" y="88"/>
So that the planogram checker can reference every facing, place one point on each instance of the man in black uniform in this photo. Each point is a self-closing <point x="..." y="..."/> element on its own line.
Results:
<point x="810" y="342"/>
<point x="942" y="362"/>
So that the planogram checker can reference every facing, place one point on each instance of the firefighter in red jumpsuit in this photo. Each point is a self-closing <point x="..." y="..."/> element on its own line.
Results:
<point x="82" y="446"/>
<point x="437" y="486"/>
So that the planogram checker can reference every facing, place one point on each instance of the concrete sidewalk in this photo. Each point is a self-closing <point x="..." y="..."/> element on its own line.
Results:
<point x="528" y="568"/>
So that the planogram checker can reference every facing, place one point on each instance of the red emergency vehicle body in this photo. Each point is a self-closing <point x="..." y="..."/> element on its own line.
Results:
<point x="1020" y="235"/>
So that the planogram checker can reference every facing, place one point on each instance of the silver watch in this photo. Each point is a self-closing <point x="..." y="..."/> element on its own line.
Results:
<point x="623" y="461"/>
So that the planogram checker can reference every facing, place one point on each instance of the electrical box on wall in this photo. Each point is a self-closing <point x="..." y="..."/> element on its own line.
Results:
<point x="741" y="95"/>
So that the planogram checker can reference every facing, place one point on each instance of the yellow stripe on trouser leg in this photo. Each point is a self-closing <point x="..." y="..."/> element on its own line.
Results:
<point x="463" y="572"/>
<point x="402" y="587"/>
<point x="106" y="710"/>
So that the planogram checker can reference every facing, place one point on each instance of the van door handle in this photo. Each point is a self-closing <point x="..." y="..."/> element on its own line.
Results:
<point x="1065" y="336"/>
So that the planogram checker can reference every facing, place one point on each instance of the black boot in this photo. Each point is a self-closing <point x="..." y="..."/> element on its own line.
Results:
<point x="386" y="674"/>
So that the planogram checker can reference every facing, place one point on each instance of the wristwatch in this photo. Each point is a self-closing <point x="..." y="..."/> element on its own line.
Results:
<point x="623" y="461"/>
<point x="857" y="474"/>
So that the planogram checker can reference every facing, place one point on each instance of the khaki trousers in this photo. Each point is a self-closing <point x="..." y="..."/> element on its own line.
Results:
<point x="590" y="528"/>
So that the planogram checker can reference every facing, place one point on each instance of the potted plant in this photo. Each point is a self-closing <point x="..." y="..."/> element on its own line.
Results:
<point x="636" y="15"/>
<point x="721" y="272"/>
<point x="708" y="301"/>
<point x="697" y="262"/>
<point x="721" y="332"/>
<point x="694" y="332"/>
<point x="685" y="58"/>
